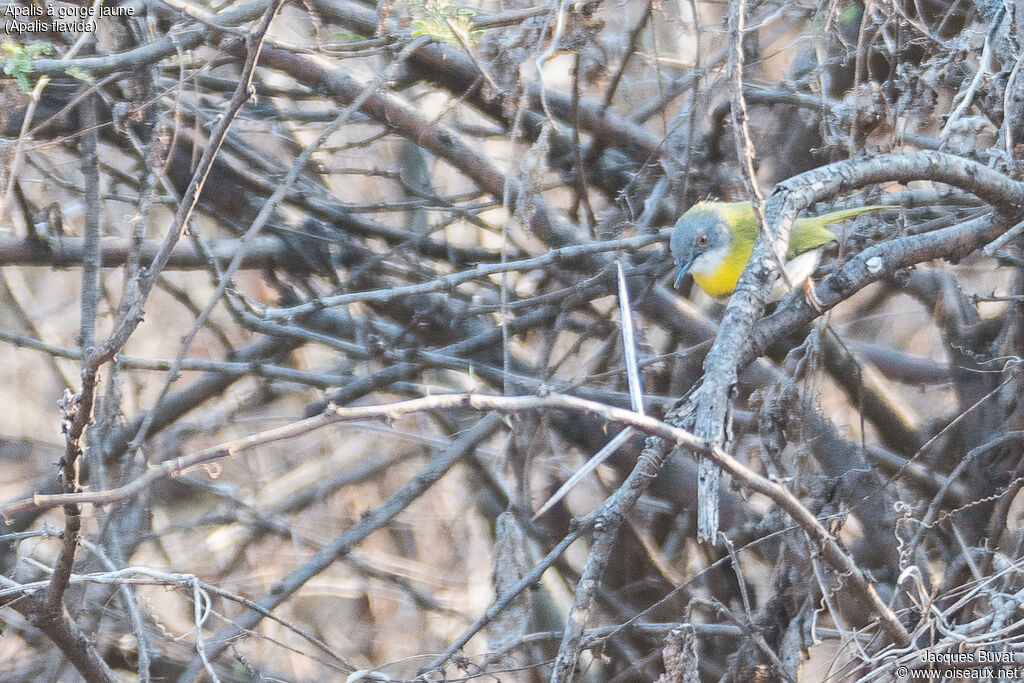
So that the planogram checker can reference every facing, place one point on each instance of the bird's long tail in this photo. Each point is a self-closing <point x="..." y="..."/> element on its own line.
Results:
<point x="843" y="214"/>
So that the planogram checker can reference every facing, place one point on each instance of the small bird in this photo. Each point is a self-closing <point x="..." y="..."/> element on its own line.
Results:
<point x="713" y="241"/>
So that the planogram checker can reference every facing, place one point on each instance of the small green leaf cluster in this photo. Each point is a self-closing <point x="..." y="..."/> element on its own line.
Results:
<point x="17" y="59"/>
<point x="442" y="20"/>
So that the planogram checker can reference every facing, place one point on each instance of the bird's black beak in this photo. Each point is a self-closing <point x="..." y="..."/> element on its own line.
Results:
<point x="681" y="272"/>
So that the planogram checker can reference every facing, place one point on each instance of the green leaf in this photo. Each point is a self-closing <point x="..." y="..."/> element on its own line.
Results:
<point x="347" y="36"/>
<point x="17" y="59"/>
<point x="442" y="20"/>
<point x="80" y="74"/>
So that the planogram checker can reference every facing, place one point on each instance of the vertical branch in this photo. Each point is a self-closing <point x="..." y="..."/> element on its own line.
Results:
<point x="738" y="106"/>
<point x="581" y="170"/>
<point x="711" y="428"/>
<point x="78" y="409"/>
<point x="91" y="260"/>
<point x="698" y="67"/>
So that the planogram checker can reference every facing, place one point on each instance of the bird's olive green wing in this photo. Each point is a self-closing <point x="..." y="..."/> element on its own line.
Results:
<point x="810" y="232"/>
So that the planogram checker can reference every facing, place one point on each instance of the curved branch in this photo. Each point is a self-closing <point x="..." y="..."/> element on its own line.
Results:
<point x="734" y="341"/>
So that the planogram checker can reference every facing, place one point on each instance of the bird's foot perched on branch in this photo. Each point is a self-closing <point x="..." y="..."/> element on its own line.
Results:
<point x="811" y="297"/>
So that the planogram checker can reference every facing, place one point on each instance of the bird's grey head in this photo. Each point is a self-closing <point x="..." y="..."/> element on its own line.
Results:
<point x="700" y="230"/>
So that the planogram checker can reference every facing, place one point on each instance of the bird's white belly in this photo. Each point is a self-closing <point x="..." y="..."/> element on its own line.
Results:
<point x="798" y="269"/>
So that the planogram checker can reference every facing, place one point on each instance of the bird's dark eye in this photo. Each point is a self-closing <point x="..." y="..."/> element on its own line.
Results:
<point x="702" y="240"/>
